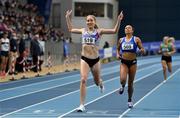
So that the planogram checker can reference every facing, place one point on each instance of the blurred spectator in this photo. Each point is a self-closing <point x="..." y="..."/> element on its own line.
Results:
<point x="13" y="53"/>
<point x="106" y="45"/>
<point x="52" y="34"/>
<point x="7" y="5"/>
<point x="35" y="52"/>
<point x="22" y="45"/>
<point x="70" y="39"/>
<point x="61" y="36"/>
<point x="41" y="55"/>
<point x="4" y="48"/>
<point x="3" y="25"/>
<point x="23" y="20"/>
<point x="21" y="58"/>
<point x="66" y="48"/>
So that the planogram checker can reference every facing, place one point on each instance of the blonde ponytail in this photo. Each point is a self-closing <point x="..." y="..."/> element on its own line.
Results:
<point x="96" y="26"/>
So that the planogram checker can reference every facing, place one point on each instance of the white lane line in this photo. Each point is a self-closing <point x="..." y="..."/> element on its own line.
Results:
<point x="66" y="84"/>
<point x="54" y="98"/>
<point x="50" y="88"/>
<point x="76" y="92"/>
<point x="152" y="60"/>
<point x="59" y="79"/>
<point x="136" y="80"/>
<point x="110" y="92"/>
<point x="153" y="90"/>
<point x="38" y="83"/>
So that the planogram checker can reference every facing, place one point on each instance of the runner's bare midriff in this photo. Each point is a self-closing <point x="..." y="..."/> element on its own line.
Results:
<point x="129" y="56"/>
<point x="90" y="51"/>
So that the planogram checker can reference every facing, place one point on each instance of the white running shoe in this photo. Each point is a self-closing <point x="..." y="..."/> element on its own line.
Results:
<point x="164" y="81"/>
<point x="130" y="104"/>
<point x="81" y="108"/>
<point x="101" y="87"/>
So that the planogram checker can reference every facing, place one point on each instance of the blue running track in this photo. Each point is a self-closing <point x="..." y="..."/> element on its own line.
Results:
<point x="57" y="96"/>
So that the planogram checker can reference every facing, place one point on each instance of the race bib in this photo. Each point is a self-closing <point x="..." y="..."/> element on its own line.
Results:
<point x="126" y="46"/>
<point x="89" y="40"/>
<point x="165" y="50"/>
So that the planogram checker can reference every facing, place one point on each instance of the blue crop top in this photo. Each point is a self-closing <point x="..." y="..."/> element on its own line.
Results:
<point x="129" y="46"/>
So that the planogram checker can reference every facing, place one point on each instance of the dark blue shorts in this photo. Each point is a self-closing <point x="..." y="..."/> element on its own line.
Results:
<point x="4" y="53"/>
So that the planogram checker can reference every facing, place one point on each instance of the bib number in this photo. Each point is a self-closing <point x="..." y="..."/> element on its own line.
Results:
<point x="165" y="50"/>
<point x="89" y="40"/>
<point x="126" y="46"/>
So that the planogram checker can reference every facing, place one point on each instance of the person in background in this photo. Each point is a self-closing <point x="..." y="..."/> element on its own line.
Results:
<point x="21" y="58"/>
<point x="167" y="50"/>
<point x="12" y="56"/>
<point x="41" y="54"/>
<point x="106" y="45"/>
<point x="13" y="53"/>
<point x="4" y="48"/>
<point x="35" y="52"/>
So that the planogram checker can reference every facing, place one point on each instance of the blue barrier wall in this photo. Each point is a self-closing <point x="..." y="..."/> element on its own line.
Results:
<point x="150" y="47"/>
